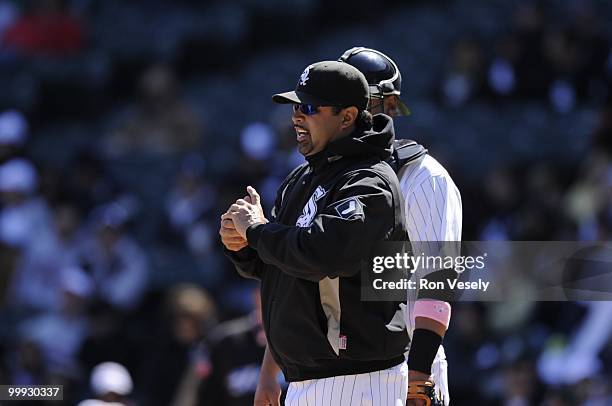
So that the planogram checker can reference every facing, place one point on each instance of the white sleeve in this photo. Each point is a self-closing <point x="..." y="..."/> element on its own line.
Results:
<point x="433" y="209"/>
<point x="432" y="206"/>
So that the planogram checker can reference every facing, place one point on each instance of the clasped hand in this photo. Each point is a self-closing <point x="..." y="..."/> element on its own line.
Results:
<point x="240" y="215"/>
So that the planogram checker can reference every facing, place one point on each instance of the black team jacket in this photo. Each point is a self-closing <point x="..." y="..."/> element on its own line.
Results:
<point x="331" y="216"/>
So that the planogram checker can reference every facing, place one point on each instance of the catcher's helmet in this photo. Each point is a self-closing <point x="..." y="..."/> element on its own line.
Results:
<point x="381" y="72"/>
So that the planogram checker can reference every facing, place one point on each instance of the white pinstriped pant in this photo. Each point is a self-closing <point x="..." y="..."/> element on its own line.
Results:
<point x="380" y="388"/>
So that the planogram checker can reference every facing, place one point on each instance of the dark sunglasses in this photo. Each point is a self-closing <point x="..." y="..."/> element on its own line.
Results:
<point x="306" y="109"/>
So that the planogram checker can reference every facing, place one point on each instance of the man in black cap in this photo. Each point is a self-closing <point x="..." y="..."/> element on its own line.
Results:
<point x="331" y="216"/>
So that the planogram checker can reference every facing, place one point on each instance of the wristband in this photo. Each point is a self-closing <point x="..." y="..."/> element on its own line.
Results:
<point x="423" y="350"/>
<point x="433" y="309"/>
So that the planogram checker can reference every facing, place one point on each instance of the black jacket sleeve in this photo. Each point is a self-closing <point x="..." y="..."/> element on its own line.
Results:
<point x="361" y="212"/>
<point x="246" y="262"/>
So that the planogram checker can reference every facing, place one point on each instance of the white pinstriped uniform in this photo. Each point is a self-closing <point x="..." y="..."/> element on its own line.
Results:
<point x="380" y="388"/>
<point x="433" y="213"/>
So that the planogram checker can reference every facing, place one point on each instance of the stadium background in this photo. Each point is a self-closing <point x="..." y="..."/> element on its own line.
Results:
<point x="128" y="127"/>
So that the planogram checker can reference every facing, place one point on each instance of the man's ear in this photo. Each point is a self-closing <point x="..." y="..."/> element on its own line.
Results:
<point x="349" y="115"/>
<point x="391" y="104"/>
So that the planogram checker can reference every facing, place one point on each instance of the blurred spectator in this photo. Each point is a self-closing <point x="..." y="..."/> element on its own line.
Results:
<point x="188" y="204"/>
<point x="13" y="134"/>
<point x="190" y="315"/>
<point x="46" y="28"/>
<point x="111" y="384"/>
<point x="59" y="334"/>
<point x="27" y="364"/>
<point x="561" y="52"/>
<point x="115" y="261"/>
<point x="24" y="217"/>
<point x="539" y="217"/>
<point x="589" y="197"/>
<point x="502" y="80"/>
<point x="161" y="123"/>
<point x="501" y="191"/>
<point x="258" y="141"/>
<point x="87" y="183"/>
<point x="261" y="163"/>
<point x="264" y="158"/>
<point x="463" y="81"/>
<point x="38" y="274"/>
<point x="237" y="349"/>
<point x="521" y="384"/>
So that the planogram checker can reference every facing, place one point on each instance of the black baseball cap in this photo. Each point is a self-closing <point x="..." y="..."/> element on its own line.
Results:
<point x="329" y="83"/>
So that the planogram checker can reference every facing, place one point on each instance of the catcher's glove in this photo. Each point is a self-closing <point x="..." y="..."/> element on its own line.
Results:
<point x="423" y="390"/>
